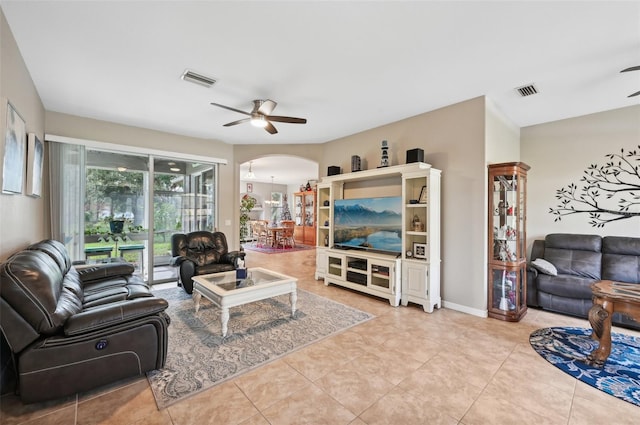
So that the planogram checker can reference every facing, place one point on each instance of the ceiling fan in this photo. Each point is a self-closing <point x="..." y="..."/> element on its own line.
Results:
<point x="260" y="115"/>
<point x="633" y="68"/>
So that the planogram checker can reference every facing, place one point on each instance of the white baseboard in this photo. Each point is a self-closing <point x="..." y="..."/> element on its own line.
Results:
<point x="465" y="309"/>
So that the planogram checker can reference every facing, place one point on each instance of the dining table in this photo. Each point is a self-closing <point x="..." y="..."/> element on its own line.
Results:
<point x="275" y="231"/>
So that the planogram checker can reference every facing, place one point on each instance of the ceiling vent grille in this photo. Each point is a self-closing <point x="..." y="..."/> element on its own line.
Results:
<point x="527" y="90"/>
<point x="198" y="79"/>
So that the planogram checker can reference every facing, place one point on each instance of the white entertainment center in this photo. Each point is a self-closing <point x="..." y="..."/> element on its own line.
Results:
<point x="410" y="276"/>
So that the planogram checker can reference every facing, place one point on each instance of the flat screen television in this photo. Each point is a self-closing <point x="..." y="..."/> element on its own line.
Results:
<point x="373" y="224"/>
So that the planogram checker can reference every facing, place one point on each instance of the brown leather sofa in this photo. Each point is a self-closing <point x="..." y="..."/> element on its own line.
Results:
<point x="202" y="252"/>
<point x="71" y="330"/>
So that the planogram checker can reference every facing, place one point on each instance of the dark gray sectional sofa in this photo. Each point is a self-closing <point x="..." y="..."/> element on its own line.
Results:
<point x="581" y="260"/>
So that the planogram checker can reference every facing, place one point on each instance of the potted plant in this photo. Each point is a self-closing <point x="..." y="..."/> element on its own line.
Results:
<point x="246" y="205"/>
<point x="117" y="228"/>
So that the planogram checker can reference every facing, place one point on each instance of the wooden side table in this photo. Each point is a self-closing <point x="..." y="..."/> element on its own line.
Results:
<point x="610" y="297"/>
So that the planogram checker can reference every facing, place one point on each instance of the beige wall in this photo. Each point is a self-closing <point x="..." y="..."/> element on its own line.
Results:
<point x="559" y="152"/>
<point x="502" y="137"/>
<point x="453" y="141"/>
<point x="23" y="219"/>
<point x="101" y="131"/>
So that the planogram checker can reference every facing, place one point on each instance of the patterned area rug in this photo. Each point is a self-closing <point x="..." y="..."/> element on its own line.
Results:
<point x="267" y="250"/>
<point x="567" y="348"/>
<point x="260" y="332"/>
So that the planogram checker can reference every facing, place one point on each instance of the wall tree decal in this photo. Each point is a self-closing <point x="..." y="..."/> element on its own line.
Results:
<point x="605" y="186"/>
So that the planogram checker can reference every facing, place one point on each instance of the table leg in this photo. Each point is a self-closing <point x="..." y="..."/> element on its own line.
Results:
<point x="224" y="317"/>
<point x="196" y="299"/>
<point x="600" y="319"/>
<point x="293" y="297"/>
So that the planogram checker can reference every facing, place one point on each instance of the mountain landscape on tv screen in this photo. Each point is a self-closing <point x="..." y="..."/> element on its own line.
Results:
<point x="368" y="223"/>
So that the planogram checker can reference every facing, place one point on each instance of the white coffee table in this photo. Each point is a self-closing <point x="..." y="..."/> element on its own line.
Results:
<point x="225" y="291"/>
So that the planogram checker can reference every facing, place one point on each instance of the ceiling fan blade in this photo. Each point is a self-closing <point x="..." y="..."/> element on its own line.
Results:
<point x="634" y="94"/>
<point x="230" y="108"/>
<point x="290" y="120"/>
<point x="266" y="107"/>
<point x="237" y="122"/>
<point x="633" y="68"/>
<point x="270" y="128"/>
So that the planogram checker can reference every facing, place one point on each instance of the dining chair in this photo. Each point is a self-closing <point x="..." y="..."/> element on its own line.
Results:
<point x="263" y="234"/>
<point x="286" y="236"/>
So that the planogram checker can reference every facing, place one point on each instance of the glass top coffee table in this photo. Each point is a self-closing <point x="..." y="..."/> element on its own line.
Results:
<point x="226" y="291"/>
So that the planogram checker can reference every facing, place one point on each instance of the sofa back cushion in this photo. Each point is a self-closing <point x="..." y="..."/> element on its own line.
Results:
<point x="201" y="247"/>
<point x="55" y="250"/>
<point x="621" y="259"/>
<point x="33" y="285"/>
<point x="574" y="254"/>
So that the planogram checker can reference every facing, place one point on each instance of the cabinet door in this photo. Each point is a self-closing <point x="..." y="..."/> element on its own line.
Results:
<point x="382" y="275"/>
<point x="309" y="209"/>
<point x="298" y="209"/>
<point x="414" y="279"/>
<point x="321" y="262"/>
<point x="336" y="266"/>
<point x="507" y="291"/>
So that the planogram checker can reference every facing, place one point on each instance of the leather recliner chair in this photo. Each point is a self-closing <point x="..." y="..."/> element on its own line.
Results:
<point x="71" y="330"/>
<point x="202" y="252"/>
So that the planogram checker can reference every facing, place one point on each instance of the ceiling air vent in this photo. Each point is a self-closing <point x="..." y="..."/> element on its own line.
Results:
<point x="198" y="79"/>
<point x="527" y="90"/>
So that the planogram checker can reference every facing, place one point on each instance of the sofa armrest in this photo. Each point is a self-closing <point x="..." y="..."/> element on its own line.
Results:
<point x="104" y="271"/>
<point x="112" y="314"/>
<point x="177" y="260"/>
<point x="232" y="257"/>
<point x="532" y="286"/>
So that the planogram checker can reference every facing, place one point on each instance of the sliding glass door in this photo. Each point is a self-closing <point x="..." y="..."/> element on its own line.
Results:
<point x="183" y="202"/>
<point x="115" y="207"/>
<point x="127" y="206"/>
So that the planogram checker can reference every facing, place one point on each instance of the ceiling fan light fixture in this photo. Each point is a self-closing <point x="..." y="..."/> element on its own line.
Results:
<point x="258" y="121"/>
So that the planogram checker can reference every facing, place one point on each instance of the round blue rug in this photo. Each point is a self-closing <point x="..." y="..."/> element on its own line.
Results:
<point x="567" y="348"/>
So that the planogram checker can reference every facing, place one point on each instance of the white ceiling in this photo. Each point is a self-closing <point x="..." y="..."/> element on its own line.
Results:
<point x="346" y="66"/>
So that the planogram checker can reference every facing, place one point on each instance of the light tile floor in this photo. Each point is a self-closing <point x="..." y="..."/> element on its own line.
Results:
<point x="403" y="367"/>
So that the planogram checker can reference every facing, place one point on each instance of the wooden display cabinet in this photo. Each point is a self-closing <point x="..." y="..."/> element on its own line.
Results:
<point x="507" y="280"/>
<point x="305" y="217"/>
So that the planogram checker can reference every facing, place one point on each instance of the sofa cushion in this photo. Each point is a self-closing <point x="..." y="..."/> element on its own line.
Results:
<point x="575" y="254"/>
<point x="573" y="241"/>
<point x="564" y="285"/>
<point x="621" y="259"/>
<point x="214" y="268"/>
<point x="56" y="251"/>
<point x="544" y="266"/>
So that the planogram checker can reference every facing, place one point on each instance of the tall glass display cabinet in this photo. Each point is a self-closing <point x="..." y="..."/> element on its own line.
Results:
<point x="305" y="217"/>
<point x="507" y="241"/>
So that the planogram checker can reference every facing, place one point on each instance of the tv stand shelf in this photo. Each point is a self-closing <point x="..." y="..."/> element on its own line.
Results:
<point x="368" y="272"/>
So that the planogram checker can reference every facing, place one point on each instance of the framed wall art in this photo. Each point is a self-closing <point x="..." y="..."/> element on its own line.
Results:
<point x="35" y="158"/>
<point x="423" y="195"/>
<point x="249" y="187"/>
<point x="14" y="152"/>
<point x="420" y="250"/>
